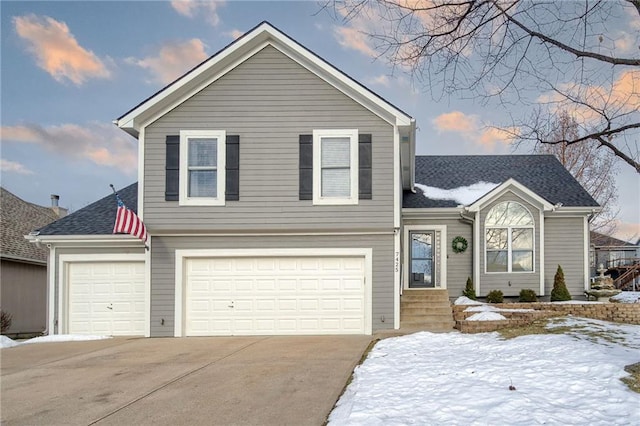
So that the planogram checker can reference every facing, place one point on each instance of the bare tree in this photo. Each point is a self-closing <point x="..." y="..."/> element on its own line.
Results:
<point x="591" y="165"/>
<point x="544" y="55"/>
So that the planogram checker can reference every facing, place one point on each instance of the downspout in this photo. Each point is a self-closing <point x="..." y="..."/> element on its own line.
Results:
<point x="475" y="266"/>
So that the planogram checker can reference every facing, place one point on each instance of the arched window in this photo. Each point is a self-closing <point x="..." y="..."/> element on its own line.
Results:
<point x="509" y="238"/>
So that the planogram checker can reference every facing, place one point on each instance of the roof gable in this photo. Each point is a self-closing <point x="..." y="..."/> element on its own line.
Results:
<point x="543" y="175"/>
<point x="18" y="219"/>
<point x="508" y="186"/>
<point x="237" y="52"/>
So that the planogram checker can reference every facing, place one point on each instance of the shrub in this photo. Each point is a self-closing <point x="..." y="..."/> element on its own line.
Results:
<point x="527" y="295"/>
<point x="559" y="292"/>
<point x="5" y="321"/>
<point x="495" y="296"/>
<point x="469" y="291"/>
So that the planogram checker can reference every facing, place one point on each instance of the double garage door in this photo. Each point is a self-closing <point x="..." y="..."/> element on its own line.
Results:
<point x="274" y="295"/>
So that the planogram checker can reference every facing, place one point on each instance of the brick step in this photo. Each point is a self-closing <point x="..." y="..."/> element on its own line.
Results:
<point x="425" y="310"/>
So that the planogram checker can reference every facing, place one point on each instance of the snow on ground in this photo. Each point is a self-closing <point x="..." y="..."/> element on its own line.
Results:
<point x="463" y="195"/>
<point x="489" y="308"/>
<point x="486" y="316"/>
<point x="627" y="297"/>
<point x="463" y="379"/>
<point x="8" y="343"/>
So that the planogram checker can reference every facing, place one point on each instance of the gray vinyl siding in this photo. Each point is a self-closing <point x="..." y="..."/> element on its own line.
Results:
<point x="510" y="283"/>
<point x="459" y="265"/>
<point x="23" y="294"/>
<point x="564" y="246"/>
<point x="86" y="251"/>
<point x="268" y="100"/>
<point x="163" y="269"/>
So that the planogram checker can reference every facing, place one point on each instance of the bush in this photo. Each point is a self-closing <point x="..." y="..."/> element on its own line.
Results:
<point x="527" y="295"/>
<point x="5" y="321"/>
<point x="469" y="291"/>
<point x="495" y="296"/>
<point x="559" y="292"/>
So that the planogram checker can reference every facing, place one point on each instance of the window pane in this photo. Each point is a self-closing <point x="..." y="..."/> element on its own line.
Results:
<point x="521" y="238"/>
<point x="203" y="183"/>
<point x="335" y="152"/>
<point x="497" y="239"/>
<point x="496" y="261"/>
<point x="421" y="271"/>
<point x="522" y="261"/>
<point x="508" y="214"/>
<point x="203" y="152"/>
<point x="336" y="183"/>
<point x="421" y="246"/>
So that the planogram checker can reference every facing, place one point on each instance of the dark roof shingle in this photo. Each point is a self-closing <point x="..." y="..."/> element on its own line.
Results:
<point x="542" y="174"/>
<point x="95" y="219"/>
<point x="18" y="218"/>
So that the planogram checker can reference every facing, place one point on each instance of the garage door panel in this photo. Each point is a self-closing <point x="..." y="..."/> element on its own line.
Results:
<point x="286" y="295"/>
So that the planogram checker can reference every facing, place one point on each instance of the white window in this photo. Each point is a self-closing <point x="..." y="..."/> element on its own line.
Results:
<point x="335" y="166"/>
<point x="509" y="238"/>
<point x="202" y="167"/>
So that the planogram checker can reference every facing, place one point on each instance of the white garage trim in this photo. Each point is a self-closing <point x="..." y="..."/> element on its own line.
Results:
<point x="183" y="255"/>
<point x="64" y="260"/>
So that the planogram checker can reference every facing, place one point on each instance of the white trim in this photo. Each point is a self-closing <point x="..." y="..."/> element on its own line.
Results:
<point x="220" y="136"/>
<point x="263" y="35"/>
<point x="442" y="273"/>
<point x="586" y="254"/>
<point x="397" y="283"/>
<point x="431" y="211"/>
<point x="123" y="239"/>
<point x="397" y="178"/>
<point x="541" y="255"/>
<point x="51" y="291"/>
<point x="140" y="206"/>
<point x="318" y="135"/>
<point x="269" y="234"/>
<point x="477" y="248"/>
<point x="147" y="288"/>
<point x="508" y="186"/>
<point x="182" y="255"/>
<point x="63" y="285"/>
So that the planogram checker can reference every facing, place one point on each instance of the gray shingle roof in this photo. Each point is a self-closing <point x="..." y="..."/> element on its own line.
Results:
<point x="18" y="218"/>
<point x="542" y="174"/>
<point x="95" y="219"/>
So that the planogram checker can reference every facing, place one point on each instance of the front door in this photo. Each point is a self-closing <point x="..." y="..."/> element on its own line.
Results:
<point x="421" y="274"/>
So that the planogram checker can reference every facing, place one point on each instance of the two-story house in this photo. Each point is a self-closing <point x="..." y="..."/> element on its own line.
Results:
<point x="283" y="197"/>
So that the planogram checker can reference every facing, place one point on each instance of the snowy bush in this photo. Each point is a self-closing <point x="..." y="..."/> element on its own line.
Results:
<point x="527" y="295"/>
<point x="495" y="296"/>
<point x="559" y="292"/>
<point x="469" y="291"/>
<point x="5" y="321"/>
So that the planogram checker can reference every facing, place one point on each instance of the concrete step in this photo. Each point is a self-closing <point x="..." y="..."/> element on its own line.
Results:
<point x="425" y="295"/>
<point x="425" y="310"/>
<point x="431" y="326"/>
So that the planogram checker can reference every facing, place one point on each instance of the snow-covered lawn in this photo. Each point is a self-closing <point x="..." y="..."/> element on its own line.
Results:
<point x="627" y="297"/>
<point x="6" y="342"/>
<point x="464" y="379"/>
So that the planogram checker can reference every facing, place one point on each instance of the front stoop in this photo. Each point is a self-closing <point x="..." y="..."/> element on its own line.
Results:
<point x="426" y="310"/>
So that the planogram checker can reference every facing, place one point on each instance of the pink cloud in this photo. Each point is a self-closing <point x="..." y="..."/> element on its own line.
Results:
<point x="195" y="8"/>
<point x="456" y="121"/>
<point x="352" y="38"/>
<point x="57" y="51"/>
<point x="14" y="167"/>
<point x="469" y="128"/>
<point x="381" y="80"/>
<point x="104" y="145"/>
<point x="173" y="60"/>
<point x="234" y="34"/>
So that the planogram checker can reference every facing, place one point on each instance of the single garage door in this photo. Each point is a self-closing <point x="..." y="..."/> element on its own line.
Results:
<point x="274" y="295"/>
<point x="106" y="298"/>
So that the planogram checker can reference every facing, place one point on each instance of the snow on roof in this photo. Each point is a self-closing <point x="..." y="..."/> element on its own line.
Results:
<point x="464" y="195"/>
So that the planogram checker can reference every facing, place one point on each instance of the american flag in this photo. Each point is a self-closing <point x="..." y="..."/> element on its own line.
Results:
<point x="127" y="222"/>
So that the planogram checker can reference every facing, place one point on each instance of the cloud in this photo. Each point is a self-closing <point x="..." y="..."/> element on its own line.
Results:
<point x="352" y="38"/>
<point x="469" y="127"/>
<point x="195" y="8"/>
<point x="381" y="80"/>
<point x="57" y="51"/>
<point x="13" y="167"/>
<point x="104" y="145"/>
<point x="625" y="43"/>
<point x="173" y="60"/>
<point x="234" y="34"/>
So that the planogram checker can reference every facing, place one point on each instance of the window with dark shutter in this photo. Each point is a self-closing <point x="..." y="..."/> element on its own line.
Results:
<point x="306" y="167"/>
<point x="172" y="168"/>
<point x="364" y="164"/>
<point x="233" y="168"/>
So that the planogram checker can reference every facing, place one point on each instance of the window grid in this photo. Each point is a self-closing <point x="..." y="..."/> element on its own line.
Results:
<point x="523" y="221"/>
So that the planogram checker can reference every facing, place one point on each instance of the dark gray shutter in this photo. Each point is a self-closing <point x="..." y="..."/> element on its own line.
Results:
<point x="364" y="162"/>
<point x="306" y="167"/>
<point x="233" y="168"/>
<point x="172" y="168"/>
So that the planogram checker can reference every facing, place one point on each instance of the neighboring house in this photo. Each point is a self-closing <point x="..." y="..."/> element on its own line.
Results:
<point x="23" y="271"/>
<point x="611" y="252"/>
<point x="278" y="194"/>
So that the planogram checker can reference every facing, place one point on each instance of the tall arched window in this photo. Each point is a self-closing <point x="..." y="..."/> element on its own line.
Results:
<point x="509" y="238"/>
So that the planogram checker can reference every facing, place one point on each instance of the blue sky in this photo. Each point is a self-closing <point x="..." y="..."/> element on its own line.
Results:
<point x="70" y="68"/>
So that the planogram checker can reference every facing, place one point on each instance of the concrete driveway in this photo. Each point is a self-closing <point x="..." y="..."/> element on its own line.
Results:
<point x="195" y="381"/>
